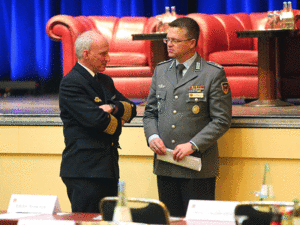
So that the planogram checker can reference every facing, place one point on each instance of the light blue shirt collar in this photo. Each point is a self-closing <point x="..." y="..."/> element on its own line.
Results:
<point x="187" y="63"/>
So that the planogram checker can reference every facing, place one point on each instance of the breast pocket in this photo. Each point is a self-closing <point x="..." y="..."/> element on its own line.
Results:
<point x="196" y="106"/>
<point x="161" y="101"/>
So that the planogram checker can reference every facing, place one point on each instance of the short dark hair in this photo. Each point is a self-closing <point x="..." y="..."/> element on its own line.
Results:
<point x="192" y="27"/>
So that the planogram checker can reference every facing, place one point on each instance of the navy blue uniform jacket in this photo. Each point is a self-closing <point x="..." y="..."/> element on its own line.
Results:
<point x="91" y="134"/>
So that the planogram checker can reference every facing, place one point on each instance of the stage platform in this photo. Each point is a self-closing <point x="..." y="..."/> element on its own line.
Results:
<point x="43" y="110"/>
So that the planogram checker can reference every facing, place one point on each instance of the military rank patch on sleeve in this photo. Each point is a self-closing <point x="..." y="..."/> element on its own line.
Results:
<point x="225" y="87"/>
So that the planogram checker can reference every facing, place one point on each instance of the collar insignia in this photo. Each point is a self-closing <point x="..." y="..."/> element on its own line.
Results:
<point x="198" y="66"/>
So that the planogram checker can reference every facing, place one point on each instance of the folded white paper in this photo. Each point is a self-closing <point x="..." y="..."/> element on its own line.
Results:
<point x="189" y="161"/>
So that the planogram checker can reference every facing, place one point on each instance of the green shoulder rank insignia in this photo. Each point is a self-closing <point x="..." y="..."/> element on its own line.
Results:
<point x="163" y="62"/>
<point x="215" y="64"/>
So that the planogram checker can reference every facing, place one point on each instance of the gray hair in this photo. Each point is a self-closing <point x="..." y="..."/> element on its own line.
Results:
<point x="84" y="42"/>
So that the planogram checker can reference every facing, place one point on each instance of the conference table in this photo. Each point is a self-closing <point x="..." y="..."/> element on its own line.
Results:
<point x="89" y="219"/>
<point x="278" y="65"/>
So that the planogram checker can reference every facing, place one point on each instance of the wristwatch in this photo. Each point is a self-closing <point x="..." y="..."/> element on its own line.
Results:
<point x="113" y="108"/>
<point x="194" y="147"/>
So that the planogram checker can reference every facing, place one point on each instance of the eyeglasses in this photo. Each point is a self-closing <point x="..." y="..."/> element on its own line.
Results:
<point x="174" y="41"/>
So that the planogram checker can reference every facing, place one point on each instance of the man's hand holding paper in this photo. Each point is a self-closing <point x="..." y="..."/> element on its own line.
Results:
<point x="188" y="161"/>
<point x="179" y="152"/>
<point x="182" y="150"/>
<point x="158" y="146"/>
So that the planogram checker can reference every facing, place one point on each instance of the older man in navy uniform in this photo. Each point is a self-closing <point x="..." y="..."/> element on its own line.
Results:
<point x="189" y="108"/>
<point x="93" y="112"/>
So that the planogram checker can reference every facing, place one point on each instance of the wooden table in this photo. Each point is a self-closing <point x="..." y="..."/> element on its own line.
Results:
<point x="158" y="47"/>
<point x="278" y="65"/>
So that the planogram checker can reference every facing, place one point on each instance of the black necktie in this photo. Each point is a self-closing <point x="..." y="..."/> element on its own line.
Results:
<point x="180" y="68"/>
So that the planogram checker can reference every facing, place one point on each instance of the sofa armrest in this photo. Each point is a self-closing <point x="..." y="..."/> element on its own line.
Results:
<point x="66" y="28"/>
<point x="73" y="26"/>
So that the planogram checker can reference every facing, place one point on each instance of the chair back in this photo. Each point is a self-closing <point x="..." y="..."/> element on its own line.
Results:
<point x="147" y="211"/>
<point x="261" y="212"/>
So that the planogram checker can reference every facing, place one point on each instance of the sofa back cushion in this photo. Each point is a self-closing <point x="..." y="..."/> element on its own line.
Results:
<point x="122" y="40"/>
<point x="123" y="50"/>
<point x="239" y="50"/>
<point x="231" y="24"/>
<point x="212" y="37"/>
<point x="105" y="25"/>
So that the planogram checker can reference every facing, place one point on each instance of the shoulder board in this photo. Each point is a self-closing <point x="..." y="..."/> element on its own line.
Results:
<point x="215" y="64"/>
<point x="163" y="62"/>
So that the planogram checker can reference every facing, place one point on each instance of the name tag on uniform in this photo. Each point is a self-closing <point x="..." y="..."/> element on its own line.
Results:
<point x="196" y="95"/>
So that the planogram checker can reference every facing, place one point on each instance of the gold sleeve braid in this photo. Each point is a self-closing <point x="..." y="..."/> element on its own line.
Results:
<point x="112" y="126"/>
<point x="127" y="111"/>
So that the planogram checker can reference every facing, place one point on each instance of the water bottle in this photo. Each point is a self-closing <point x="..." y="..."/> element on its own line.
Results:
<point x="284" y="16"/>
<point x="267" y="192"/>
<point x="290" y="17"/>
<point x="122" y="211"/>
<point x="173" y="13"/>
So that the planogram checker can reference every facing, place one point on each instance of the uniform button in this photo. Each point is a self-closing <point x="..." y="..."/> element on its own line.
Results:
<point x="173" y="141"/>
<point x="176" y="97"/>
<point x="173" y="126"/>
<point x="174" y="111"/>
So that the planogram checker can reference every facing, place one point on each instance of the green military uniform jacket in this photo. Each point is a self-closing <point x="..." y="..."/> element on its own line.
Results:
<point x="198" y="108"/>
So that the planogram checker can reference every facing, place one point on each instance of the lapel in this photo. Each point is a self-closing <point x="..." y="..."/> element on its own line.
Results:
<point x="192" y="72"/>
<point x="171" y="73"/>
<point x="97" y="86"/>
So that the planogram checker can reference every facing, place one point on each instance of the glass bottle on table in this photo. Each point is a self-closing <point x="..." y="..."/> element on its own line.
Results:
<point x="122" y="212"/>
<point x="166" y="19"/>
<point x="290" y="19"/>
<point x="167" y="9"/>
<point x="284" y="16"/>
<point x="267" y="192"/>
<point x="173" y="13"/>
<point x="162" y="21"/>
<point x="167" y="15"/>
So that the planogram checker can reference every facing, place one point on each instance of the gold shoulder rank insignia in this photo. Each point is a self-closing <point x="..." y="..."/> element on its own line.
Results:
<point x="225" y="87"/>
